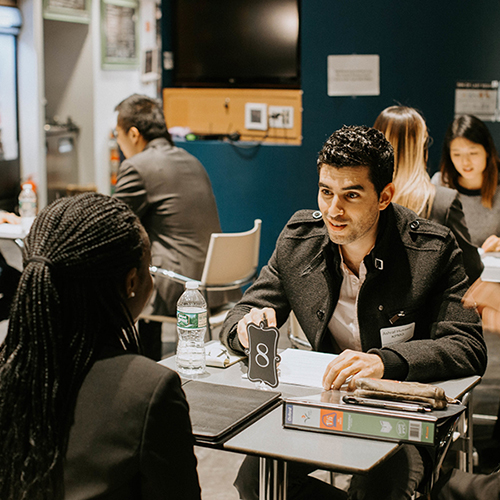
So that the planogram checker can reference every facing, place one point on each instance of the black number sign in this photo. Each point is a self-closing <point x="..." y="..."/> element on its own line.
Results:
<point x="263" y="356"/>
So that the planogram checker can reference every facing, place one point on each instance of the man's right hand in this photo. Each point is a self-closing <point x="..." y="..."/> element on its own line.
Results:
<point x="255" y="316"/>
<point x="9" y="218"/>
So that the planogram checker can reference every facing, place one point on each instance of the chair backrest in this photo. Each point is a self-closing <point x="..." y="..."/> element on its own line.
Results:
<point x="232" y="259"/>
<point x="296" y="335"/>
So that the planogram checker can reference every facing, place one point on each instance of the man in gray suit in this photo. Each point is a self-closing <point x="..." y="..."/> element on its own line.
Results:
<point x="171" y="193"/>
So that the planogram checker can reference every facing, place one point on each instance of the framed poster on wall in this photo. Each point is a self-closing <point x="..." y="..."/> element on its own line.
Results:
<point x="477" y="98"/>
<point x="119" y="34"/>
<point x="150" y="69"/>
<point x="73" y="11"/>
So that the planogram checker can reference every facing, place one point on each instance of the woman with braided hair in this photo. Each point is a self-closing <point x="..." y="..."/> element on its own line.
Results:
<point x="82" y="413"/>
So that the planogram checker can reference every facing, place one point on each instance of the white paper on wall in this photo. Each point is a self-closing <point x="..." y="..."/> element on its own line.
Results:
<point x="350" y="75"/>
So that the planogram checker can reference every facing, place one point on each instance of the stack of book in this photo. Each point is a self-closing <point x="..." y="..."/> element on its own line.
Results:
<point x="327" y="412"/>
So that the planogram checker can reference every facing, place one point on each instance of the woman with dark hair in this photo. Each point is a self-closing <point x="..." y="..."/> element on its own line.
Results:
<point x="469" y="164"/>
<point x="406" y="130"/>
<point x="82" y="414"/>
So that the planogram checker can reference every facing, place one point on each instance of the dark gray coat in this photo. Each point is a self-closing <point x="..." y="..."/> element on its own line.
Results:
<point x="414" y="274"/>
<point x="171" y="193"/>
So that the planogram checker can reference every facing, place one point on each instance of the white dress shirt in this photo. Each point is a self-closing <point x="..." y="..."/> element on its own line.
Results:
<point x="344" y="324"/>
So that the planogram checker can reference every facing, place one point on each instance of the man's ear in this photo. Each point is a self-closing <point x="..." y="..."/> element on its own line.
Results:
<point x="131" y="281"/>
<point x="386" y="196"/>
<point x="134" y="134"/>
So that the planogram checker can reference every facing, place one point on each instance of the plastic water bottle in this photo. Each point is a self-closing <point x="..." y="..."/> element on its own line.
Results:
<point x="191" y="330"/>
<point x="27" y="206"/>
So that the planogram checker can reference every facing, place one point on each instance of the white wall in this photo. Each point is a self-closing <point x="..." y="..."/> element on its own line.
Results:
<point x="31" y="97"/>
<point x="69" y="85"/>
<point x="111" y="87"/>
<point x="78" y="88"/>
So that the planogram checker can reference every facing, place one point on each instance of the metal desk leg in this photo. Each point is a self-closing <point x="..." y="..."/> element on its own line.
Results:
<point x="465" y="455"/>
<point x="272" y="479"/>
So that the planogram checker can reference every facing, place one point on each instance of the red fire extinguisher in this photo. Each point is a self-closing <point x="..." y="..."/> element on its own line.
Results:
<point x="114" y="160"/>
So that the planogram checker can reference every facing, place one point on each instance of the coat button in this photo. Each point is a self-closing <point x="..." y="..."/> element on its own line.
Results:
<point x="317" y="214"/>
<point x="414" y="225"/>
<point x="320" y="314"/>
<point x="380" y="307"/>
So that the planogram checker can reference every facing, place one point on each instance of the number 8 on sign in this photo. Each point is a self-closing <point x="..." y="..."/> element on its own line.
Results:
<point x="263" y="356"/>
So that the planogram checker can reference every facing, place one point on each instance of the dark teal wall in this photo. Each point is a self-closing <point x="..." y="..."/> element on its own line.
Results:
<point x="424" y="48"/>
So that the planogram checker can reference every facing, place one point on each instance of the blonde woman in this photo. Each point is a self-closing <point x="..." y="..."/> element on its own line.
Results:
<point x="405" y="129"/>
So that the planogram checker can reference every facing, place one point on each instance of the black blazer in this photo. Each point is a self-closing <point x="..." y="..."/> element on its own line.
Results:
<point x="131" y="437"/>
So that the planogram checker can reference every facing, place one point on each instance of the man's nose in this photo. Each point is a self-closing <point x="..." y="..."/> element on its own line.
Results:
<point x="335" y="207"/>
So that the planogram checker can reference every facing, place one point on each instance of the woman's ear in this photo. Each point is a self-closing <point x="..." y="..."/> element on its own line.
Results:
<point x="131" y="283"/>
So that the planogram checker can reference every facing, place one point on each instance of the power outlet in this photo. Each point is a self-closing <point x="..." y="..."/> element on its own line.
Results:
<point x="280" y="117"/>
<point x="255" y="116"/>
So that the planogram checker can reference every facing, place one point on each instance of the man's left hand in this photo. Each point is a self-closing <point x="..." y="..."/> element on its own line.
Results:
<point x="353" y="364"/>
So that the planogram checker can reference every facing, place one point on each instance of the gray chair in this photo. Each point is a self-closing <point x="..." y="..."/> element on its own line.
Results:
<point x="231" y="263"/>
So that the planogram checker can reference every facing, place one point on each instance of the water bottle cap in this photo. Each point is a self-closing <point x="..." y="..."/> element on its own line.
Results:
<point x="191" y="285"/>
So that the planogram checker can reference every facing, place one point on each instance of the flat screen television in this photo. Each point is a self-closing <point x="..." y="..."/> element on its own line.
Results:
<point x="236" y="43"/>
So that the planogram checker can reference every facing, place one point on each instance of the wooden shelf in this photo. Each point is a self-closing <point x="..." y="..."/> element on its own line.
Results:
<point x="222" y="111"/>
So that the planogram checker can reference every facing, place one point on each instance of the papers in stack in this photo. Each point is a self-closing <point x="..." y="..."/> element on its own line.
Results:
<point x="299" y="367"/>
<point x="12" y="231"/>
<point x="217" y="355"/>
<point x="491" y="272"/>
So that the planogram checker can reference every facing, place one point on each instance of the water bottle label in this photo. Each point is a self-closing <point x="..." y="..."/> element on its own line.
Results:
<point x="191" y="320"/>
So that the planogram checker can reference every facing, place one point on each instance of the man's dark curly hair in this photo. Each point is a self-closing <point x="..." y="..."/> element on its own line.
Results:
<point x="355" y="146"/>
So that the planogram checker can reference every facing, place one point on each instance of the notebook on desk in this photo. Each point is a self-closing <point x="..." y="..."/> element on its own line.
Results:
<point x="218" y="410"/>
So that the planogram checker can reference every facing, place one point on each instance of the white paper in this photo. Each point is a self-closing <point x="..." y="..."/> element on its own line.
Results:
<point x="11" y="231"/>
<point x="350" y="75"/>
<point x="478" y="99"/>
<point x="491" y="272"/>
<point x="299" y="367"/>
<point x="217" y="355"/>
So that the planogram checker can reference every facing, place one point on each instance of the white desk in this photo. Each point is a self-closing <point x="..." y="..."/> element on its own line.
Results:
<point x="275" y="445"/>
<point x="268" y="438"/>
<point x="11" y="236"/>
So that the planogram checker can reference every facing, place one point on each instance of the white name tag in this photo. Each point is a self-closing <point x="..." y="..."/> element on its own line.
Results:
<point x="396" y="334"/>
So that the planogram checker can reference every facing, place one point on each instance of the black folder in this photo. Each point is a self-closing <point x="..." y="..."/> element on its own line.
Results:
<point x="219" y="411"/>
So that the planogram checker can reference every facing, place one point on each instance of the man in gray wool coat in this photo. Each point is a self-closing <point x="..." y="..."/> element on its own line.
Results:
<point x="373" y="282"/>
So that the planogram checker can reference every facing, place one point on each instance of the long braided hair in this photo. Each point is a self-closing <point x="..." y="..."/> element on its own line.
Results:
<point x="68" y="304"/>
